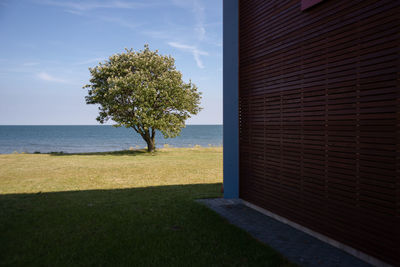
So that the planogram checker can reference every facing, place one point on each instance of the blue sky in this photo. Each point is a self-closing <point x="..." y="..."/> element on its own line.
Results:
<point x="47" y="47"/>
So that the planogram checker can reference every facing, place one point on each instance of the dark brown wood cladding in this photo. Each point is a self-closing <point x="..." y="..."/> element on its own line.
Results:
<point x="319" y="114"/>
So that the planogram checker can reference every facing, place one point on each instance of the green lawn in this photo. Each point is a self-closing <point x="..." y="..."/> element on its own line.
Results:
<point x="125" y="208"/>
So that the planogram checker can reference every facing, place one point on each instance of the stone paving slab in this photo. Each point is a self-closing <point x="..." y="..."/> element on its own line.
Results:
<point x="295" y="245"/>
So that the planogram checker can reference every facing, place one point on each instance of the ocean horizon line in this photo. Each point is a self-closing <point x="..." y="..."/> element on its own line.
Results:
<point x="97" y="138"/>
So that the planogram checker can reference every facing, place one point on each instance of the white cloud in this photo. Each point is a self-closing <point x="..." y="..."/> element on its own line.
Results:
<point x="90" y="5"/>
<point x="198" y="11"/>
<point x="83" y="9"/>
<point x="193" y="50"/>
<point x="48" y="78"/>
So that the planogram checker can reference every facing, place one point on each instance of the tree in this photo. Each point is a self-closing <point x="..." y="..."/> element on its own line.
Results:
<point x="144" y="91"/>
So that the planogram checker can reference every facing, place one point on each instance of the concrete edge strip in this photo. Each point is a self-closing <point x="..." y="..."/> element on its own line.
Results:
<point x="359" y="254"/>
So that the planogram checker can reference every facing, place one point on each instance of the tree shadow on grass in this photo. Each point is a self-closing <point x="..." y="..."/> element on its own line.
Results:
<point x="151" y="226"/>
<point x="106" y="153"/>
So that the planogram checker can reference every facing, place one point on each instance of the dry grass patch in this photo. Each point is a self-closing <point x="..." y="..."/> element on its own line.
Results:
<point x="29" y="173"/>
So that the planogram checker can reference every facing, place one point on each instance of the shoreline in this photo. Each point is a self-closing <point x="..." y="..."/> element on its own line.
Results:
<point x="111" y="152"/>
<point x="97" y="138"/>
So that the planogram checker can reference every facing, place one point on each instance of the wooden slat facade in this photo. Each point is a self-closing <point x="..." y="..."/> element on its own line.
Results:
<point x="319" y="115"/>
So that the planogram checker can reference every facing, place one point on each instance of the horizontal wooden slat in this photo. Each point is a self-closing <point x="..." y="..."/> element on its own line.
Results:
<point x="319" y="117"/>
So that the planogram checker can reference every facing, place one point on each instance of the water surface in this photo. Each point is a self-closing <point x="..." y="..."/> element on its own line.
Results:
<point x="97" y="138"/>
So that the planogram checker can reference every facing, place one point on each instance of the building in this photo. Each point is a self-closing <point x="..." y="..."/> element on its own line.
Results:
<point x="312" y="118"/>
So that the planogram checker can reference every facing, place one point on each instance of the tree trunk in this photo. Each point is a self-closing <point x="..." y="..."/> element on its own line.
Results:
<point x="150" y="144"/>
<point x="149" y="138"/>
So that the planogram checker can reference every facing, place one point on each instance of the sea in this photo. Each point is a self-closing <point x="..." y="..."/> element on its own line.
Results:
<point x="97" y="138"/>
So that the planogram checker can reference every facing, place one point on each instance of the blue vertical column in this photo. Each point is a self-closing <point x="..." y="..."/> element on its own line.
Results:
<point x="231" y="97"/>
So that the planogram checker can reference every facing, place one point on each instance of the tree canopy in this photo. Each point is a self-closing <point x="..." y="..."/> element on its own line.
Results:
<point x="143" y="90"/>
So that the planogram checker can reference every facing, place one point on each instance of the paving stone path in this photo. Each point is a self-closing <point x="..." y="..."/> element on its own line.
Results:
<point x="295" y="245"/>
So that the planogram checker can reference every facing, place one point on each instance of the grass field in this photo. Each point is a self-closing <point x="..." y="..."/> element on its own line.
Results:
<point x="125" y="208"/>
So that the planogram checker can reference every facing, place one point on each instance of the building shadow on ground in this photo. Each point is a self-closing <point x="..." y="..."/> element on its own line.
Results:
<point x="150" y="226"/>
